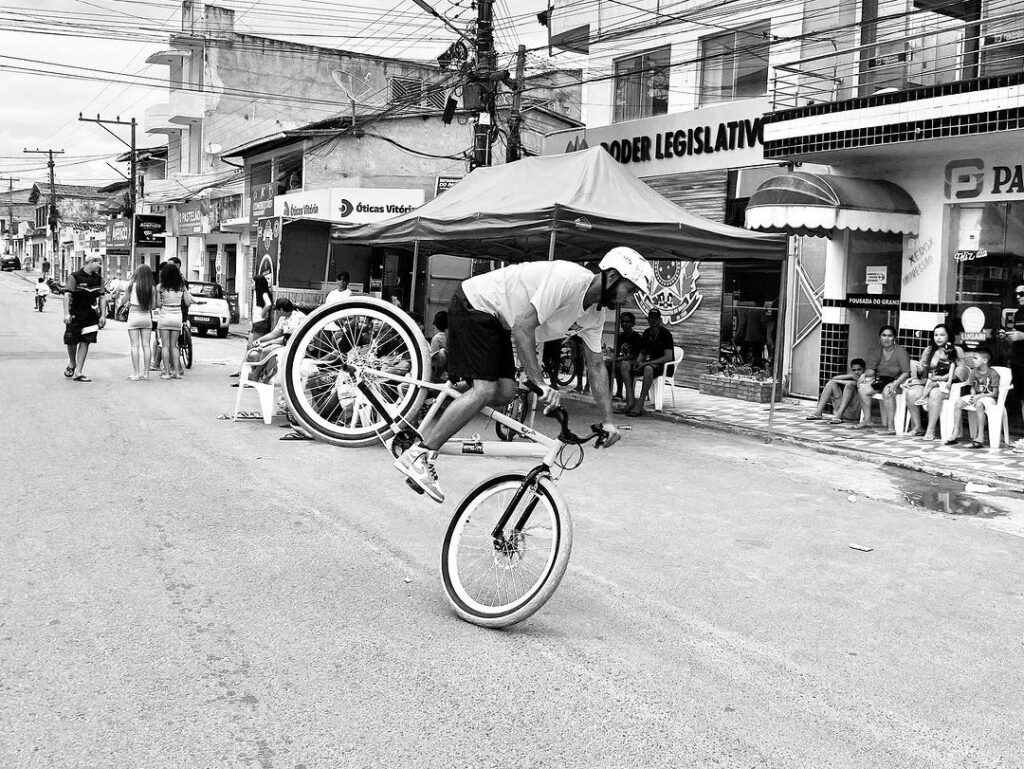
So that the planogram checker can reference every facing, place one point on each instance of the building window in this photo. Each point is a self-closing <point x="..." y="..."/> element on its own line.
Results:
<point x="288" y="173"/>
<point x="735" y="65"/>
<point x="641" y="85"/>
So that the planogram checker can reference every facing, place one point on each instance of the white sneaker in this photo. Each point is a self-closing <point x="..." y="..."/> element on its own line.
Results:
<point x="417" y="463"/>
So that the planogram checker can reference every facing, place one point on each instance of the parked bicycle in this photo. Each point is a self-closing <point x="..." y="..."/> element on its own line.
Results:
<point x="508" y="542"/>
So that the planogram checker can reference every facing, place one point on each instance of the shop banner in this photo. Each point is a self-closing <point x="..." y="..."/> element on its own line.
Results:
<point x="709" y="139"/>
<point x="873" y="301"/>
<point x="149" y="230"/>
<point x="268" y="247"/>
<point x="261" y="202"/>
<point x="192" y="218"/>
<point x="348" y="205"/>
<point x="118" y="237"/>
<point x="443" y="183"/>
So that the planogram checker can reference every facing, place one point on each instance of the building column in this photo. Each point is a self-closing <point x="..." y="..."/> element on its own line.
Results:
<point x="835" y="323"/>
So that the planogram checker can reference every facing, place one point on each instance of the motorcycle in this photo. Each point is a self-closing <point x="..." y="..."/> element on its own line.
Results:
<point x="55" y="287"/>
<point x="40" y="302"/>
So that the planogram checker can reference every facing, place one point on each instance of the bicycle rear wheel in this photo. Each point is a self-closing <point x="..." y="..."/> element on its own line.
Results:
<point x="498" y="583"/>
<point x="566" y="365"/>
<point x="516" y="409"/>
<point x="185" y="346"/>
<point x="340" y="344"/>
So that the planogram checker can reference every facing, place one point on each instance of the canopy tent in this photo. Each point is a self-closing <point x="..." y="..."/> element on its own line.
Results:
<point x="577" y="205"/>
<point x="802" y="203"/>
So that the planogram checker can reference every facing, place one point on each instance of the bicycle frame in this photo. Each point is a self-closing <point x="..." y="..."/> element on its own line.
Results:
<point x="541" y="446"/>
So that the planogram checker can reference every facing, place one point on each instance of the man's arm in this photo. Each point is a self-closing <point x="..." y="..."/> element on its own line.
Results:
<point x="103" y="307"/>
<point x="524" y="337"/>
<point x="597" y="378"/>
<point x="69" y="289"/>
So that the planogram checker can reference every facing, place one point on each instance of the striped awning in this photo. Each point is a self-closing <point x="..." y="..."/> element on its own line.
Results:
<point x="803" y="203"/>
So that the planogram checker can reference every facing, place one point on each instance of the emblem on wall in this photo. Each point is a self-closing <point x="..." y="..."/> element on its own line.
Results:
<point x="675" y="292"/>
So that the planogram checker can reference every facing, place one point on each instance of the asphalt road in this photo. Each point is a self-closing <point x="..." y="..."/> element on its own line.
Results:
<point x="178" y="590"/>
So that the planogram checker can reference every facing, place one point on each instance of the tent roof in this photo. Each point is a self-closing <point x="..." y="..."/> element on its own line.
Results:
<point x="593" y="203"/>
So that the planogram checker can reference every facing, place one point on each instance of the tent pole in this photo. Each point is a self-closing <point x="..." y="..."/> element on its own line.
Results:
<point x="412" y="285"/>
<point x="551" y="246"/>
<point x="777" y="356"/>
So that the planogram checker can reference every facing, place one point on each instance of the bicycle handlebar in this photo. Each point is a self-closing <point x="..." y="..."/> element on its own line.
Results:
<point x="562" y="417"/>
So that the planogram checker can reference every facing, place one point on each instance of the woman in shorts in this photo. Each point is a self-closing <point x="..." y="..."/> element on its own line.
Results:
<point x="141" y="297"/>
<point x="169" y="319"/>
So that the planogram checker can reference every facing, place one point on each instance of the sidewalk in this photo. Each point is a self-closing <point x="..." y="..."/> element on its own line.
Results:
<point x="1002" y="467"/>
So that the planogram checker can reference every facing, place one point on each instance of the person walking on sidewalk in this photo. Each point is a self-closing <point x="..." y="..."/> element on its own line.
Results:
<point x="83" y="316"/>
<point x="521" y="306"/>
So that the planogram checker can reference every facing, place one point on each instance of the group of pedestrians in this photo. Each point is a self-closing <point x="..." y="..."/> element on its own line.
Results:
<point x="157" y="308"/>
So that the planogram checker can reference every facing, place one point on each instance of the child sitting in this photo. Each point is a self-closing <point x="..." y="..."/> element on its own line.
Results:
<point x="984" y="387"/>
<point x="943" y="367"/>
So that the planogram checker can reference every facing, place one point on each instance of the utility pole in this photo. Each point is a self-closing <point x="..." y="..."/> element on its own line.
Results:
<point x="515" y="121"/>
<point x="52" y="214"/>
<point x="487" y="89"/>
<point x="10" y="205"/>
<point x="133" y="181"/>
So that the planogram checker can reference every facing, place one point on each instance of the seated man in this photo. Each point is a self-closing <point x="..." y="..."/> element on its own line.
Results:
<point x="627" y="347"/>
<point x="656" y="349"/>
<point x="289" y="319"/>
<point x="841" y="392"/>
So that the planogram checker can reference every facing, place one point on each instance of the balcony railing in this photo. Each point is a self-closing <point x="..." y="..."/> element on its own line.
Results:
<point x="945" y="52"/>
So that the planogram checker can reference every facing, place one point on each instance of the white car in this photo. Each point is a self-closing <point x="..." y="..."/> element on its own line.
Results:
<point x="210" y="310"/>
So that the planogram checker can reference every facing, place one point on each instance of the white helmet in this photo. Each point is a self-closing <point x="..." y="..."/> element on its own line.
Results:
<point x="631" y="266"/>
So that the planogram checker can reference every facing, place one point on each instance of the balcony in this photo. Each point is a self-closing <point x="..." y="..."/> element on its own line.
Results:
<point x="187" y="107"/>
<point x="953" y="78"/>
<point x="157" y="120"/>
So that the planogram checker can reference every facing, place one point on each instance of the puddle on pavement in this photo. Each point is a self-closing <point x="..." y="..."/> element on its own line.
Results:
<point x="942" y="495"/>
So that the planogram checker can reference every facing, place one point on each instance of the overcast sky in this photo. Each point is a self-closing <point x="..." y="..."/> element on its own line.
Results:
<point x="41" y="110"/>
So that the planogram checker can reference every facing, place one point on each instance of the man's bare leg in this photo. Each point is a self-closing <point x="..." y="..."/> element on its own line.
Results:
<point x="465" y="407"/>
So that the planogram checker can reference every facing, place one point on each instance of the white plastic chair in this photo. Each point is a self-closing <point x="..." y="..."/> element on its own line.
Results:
<point x="658" y="386"/>
<point x="998" y="422"/>
<point x="264" y="390"/>
<point x="901" y="419"/>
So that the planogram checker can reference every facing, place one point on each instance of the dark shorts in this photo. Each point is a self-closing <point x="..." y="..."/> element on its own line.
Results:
<point x="73" y="330"/>
<point x="261" y="327"/>
<point x="479" y="347"/>
<point x="659" y="369"/>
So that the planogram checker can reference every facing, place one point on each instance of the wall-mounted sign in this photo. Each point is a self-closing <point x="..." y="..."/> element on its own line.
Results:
<point x="268" y="247"/>
<point x="192" y="218"/>
<point x="875" y="278"/>
<point x="443" y="183"/>
<point x="723" y="136"/>
<point x="149" y="229"/>
<point x="969" y="255"/>
<point x="978" y="180"/>
<point x="348" y="205"/>
<point x="118" y="236"/>
<point x="873" y="301"/>
<point x="261" y="202"/>
<point x="675" y="291"/>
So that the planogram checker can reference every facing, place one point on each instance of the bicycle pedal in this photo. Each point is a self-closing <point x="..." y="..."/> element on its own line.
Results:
<point x="413" y="486"/>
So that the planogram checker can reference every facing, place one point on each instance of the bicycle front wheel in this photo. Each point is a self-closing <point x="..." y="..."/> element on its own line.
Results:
<point x="496" y="582"/>
<point x="339" y="345"/>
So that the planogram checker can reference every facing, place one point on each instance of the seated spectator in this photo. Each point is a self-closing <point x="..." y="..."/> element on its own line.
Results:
<point x="888" y="368"/>
<point x="656" y="349"/>
<point x="984" y="389"/>
<point x="439" y="348"/>
<point x="914" y="390"/>
<point x="943" y="367"/>
<point x="341" y="291"/>
<point x="841" y="393"/>
<point x="627" y="347"/>
<point x="288" y="322"/>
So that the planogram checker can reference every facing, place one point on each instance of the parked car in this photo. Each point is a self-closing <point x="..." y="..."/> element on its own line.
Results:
<point x="10" y="262"/>
<point x="210" y="311"/>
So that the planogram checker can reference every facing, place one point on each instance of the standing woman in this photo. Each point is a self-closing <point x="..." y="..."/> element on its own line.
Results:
<point x="172" y="295"/>
<point x="888" y="368"/>
<point x="141" y="298"/>
<point x="264" y="303"/>
<point x="941" y="340"/>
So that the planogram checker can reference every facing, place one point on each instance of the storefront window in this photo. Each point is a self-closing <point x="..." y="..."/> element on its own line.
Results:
<point x="750" y="300"/>
<point x="988" y="247"/>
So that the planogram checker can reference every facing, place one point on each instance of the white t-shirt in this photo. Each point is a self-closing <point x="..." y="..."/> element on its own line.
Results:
<point x="337" y="294"/>
<point x="42" y="289"/>
<point x="290" y="324"/>
<point x="556" y="291"/>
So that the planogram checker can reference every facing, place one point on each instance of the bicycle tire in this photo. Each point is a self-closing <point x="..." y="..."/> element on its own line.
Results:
<point x="566" y="365"/>
<point x="461" y="543"/>
<point x="185" y="347"/>
<point x="516" y="409"/>
<point x="371" y="334"/>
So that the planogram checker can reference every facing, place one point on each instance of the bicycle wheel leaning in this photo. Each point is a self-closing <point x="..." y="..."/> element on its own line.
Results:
<point x="341" y="344"/>
<point x="499" y="582"/>
<point x="185" y="346"/>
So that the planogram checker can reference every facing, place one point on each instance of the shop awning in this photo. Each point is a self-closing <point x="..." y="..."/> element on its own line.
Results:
<point x="802" y="203"/>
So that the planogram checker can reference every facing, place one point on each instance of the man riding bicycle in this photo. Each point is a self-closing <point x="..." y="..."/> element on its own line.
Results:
<point x="523" y="305"/>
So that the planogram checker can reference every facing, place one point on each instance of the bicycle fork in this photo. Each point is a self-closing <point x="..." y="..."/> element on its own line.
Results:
<point x="501" y="543"/>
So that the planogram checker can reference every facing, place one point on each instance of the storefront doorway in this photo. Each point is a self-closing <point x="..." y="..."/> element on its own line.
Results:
<point x="808" y="281"/>
<point x="874" y="270"/>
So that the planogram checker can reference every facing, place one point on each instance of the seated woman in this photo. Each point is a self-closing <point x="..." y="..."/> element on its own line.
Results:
<point x="941" y="361"/>
<point x="288" y="321"/>
<point x="888" y="368"/>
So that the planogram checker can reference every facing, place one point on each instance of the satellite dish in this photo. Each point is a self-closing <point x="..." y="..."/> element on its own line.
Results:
<point x="213" y="149"/>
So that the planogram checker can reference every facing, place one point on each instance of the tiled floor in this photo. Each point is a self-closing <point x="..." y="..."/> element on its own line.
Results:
<point x="1002" y="464"/>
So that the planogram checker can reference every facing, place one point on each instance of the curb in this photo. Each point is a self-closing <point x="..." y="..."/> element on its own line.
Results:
<point x="939" y="471"/>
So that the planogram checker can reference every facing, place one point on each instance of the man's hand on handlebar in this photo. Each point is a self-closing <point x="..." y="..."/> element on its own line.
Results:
<point x="550" y="397"/>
